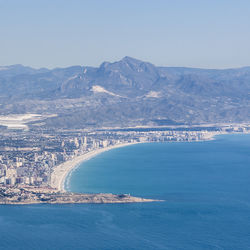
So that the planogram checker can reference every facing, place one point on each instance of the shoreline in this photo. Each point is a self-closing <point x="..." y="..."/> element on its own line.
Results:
<point x="27" y="195"/>
<point x="62" y="171"/>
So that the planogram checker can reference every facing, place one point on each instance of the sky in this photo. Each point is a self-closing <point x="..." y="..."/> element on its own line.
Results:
<point x="61" y="33"/>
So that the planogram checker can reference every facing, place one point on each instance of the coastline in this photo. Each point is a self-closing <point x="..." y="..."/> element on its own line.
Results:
<point x="61" y="172"/>
<point x="21" y="195"/>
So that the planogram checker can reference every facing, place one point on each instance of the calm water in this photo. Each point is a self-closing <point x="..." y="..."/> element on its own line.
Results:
<point x="206" y="186"/>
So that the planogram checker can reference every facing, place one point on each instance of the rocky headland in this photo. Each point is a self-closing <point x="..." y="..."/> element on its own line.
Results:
<point x="31" y="195"/>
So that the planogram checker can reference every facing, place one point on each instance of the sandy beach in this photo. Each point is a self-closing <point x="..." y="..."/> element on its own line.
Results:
<point x="61" y="171"/>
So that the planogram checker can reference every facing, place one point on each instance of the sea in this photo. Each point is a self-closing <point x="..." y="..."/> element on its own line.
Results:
<point x="205" y="187"/>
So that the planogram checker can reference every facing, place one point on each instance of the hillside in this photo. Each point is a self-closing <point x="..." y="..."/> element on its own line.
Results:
<point x="126" y="93"/>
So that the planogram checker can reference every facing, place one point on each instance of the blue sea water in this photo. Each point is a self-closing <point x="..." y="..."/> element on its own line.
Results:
<point x="205" y="185"/>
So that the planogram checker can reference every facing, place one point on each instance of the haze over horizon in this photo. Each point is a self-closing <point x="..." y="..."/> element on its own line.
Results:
<point x="116" y="61"/>
<point x="54" y="34"/>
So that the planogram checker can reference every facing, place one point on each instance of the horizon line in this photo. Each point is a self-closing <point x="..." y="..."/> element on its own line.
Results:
<point x="115" y="61"/>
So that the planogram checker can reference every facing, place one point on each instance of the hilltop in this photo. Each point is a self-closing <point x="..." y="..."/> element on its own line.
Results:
<point x="129" y="92"/>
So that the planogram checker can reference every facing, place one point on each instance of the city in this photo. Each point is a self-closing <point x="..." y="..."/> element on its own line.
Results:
<point x="28" y="158"/>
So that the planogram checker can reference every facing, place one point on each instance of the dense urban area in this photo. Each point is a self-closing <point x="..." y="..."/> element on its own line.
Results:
<point x="28" y="157"/>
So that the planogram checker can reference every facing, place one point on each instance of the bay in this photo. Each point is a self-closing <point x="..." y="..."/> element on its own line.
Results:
<point x="205" y="185"/>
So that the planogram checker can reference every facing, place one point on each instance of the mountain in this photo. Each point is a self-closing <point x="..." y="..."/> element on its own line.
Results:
<point x="18" y="69"/>
<point x="126" y="93"/>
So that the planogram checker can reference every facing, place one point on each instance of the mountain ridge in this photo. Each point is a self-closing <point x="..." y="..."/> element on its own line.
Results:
<point x="127" y="92"/>
<point x="125" y="58"/>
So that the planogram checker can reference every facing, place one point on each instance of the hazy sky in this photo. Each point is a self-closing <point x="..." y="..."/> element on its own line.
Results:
<point x="58" y="33"/>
